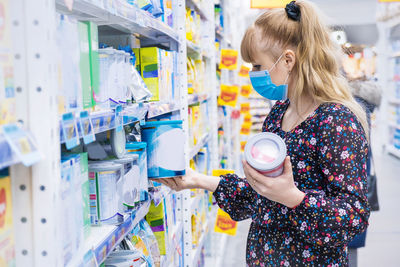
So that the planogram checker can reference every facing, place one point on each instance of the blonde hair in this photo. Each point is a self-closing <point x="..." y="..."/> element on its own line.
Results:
<point x="317" y="66"/>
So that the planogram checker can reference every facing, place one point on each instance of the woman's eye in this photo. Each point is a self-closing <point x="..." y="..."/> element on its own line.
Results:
<point x="256" y="67"/>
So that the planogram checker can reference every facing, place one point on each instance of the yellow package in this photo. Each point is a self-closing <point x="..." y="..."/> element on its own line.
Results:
<point x="190" y="76"/>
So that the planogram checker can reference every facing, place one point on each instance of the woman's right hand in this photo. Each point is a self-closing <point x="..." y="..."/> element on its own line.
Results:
<point x="188" y="181"/>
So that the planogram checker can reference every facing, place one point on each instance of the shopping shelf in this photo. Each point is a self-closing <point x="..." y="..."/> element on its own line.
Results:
<point x="194" y="203"/>
<point x="105" y="120"/>
<point x="103" y="239"/>
<point x="201" y="143"/>
<point x="394" y="151"/>
<point x="118" y="17"/>
<point x="197" y="251"/>
<point x="195" y="99"/>
<point x="394" y="101"/>
<point x="195" y="5"/>
<point x="161" y="108"/>
<point x="193" y="50"/>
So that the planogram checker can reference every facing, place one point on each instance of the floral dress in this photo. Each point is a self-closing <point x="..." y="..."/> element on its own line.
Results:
<point x="328" y="153"/>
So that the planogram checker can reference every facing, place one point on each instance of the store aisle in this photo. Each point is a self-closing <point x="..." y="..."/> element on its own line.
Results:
<point x="382" y="245"/>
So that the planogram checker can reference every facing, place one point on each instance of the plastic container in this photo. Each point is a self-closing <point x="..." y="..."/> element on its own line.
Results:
<point x="266" y="153"/>
<point x="165" y="148"/>
<point x="128" y="189"/>
<point x="103" y="180"/>
<point x="139" y="148"/>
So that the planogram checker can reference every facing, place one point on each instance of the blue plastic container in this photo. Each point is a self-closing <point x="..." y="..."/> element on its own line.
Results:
<point x="165" y="148"/>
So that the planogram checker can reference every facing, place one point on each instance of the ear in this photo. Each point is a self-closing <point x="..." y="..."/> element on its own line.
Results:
<point x="289" y="59"/>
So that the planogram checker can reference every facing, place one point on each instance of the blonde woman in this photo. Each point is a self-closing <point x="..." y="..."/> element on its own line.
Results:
<point x="308" y="215"/>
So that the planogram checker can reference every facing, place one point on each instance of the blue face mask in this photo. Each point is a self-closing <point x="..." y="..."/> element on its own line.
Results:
<point x="262" y="83"/>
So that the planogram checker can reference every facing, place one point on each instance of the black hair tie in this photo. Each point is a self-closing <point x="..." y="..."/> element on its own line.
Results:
<point x="293" y="11"/>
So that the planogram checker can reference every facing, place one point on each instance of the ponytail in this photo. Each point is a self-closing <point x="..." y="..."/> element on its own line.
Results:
<point x="300" y="28"/>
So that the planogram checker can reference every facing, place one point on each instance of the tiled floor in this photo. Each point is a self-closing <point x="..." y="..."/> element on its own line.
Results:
<point x="383" y="238"/>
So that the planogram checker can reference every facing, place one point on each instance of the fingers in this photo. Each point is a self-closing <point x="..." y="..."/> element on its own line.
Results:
<point x="287" y="169"/>
<point x="253" y="174"/>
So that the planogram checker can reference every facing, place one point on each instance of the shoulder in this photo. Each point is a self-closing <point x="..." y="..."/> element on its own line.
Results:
<point x="339" y="119"/>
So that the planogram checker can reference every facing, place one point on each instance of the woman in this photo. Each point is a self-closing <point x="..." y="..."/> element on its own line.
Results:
<point x="307" y="215"/>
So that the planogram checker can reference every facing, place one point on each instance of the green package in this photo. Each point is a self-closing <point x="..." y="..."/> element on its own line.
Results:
<point x="93" y="37"/>
<point x="84" y="65"/>
<point x="137" y="56"/>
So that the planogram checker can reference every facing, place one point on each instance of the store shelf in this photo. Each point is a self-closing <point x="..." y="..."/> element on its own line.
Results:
<point x="395" y="55"/>
<point x="123" y="18"/>
<point x="193" y="50"/>
<point x="105" y="120"/>
<point x="161" y="108"/>
<point x="194" y="202"/>
<point x="197" y="251"/>
<point x="195" y="5"/>
<point x="201" y="143"/>
<point x="104" y="239"/>
<point x="394" y="101"/>
<point x="195" y="99"/>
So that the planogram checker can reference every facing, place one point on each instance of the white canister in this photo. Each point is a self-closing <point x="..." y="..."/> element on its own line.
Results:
<point x="266" y="153"/>
<point x="103" y="180"/>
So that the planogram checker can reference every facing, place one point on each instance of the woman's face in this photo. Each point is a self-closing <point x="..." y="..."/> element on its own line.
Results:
<point x="263" y="61"/>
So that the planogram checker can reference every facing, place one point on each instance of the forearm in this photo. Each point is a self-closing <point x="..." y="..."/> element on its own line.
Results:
<point x="207" y="182"/>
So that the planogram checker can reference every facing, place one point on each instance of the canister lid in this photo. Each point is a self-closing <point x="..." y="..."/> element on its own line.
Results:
<point x="129" y="158"/>
<point x="265" y="151"/>
<point x="136" y="145"/>
<point x="158" y="123"/>
<point x="101" y="166"/>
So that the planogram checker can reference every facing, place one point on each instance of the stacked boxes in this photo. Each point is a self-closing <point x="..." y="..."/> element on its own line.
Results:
<point x="157" y="70"/>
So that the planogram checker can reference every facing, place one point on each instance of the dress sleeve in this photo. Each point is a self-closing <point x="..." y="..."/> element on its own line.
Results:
<point x="334" y="216"/>
<point x="235" y="196"/>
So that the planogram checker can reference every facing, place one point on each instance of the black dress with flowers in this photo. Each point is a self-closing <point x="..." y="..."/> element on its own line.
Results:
<point x="328" y="153"/>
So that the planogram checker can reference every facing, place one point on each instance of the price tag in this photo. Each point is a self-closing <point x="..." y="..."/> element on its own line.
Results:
<point x="96" y="125"/>
<point x="22" y="144"/>
<point x="86" y="127"/>
<point x="119" y="119"/>
<point x="70" y="130"/>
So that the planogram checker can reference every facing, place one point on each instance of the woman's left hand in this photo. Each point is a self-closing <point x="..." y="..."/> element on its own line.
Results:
<point x="280" y="189"/>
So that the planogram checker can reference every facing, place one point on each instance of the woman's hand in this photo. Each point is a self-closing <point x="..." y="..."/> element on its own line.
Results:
<point x="191" y="180"/>
<point x="280" y="189"/>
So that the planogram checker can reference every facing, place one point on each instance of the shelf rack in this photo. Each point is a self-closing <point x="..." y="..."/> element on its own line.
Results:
<point x="34" y="189"/>
<point x="394" y="151"/>
<point x="123" y="18"/>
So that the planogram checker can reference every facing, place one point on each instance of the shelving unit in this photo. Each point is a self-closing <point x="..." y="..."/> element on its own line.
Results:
<point x="388" y="26"/>
<point x="35" y="188"/>
<point x="123" y="18"/>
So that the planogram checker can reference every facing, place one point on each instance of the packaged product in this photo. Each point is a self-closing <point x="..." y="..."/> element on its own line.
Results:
<point x="7" y="251"/>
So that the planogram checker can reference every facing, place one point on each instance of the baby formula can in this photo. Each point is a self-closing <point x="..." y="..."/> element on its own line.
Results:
<point x="165" y="148"/>
<point x="266" y="153"/>
<point x="103" y="179"/>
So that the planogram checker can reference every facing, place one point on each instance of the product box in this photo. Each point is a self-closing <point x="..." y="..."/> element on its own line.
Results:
<point x="93" y="37"/>
<point x="84" y="65"/>
<point x="7" y="253"/>
<point x="150" y="64"/>
<point x="7" y="92"/>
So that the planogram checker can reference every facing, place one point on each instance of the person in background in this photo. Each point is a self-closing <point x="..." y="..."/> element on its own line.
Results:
<point x="369" y="95"/>
<point x="309" y="214"/>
